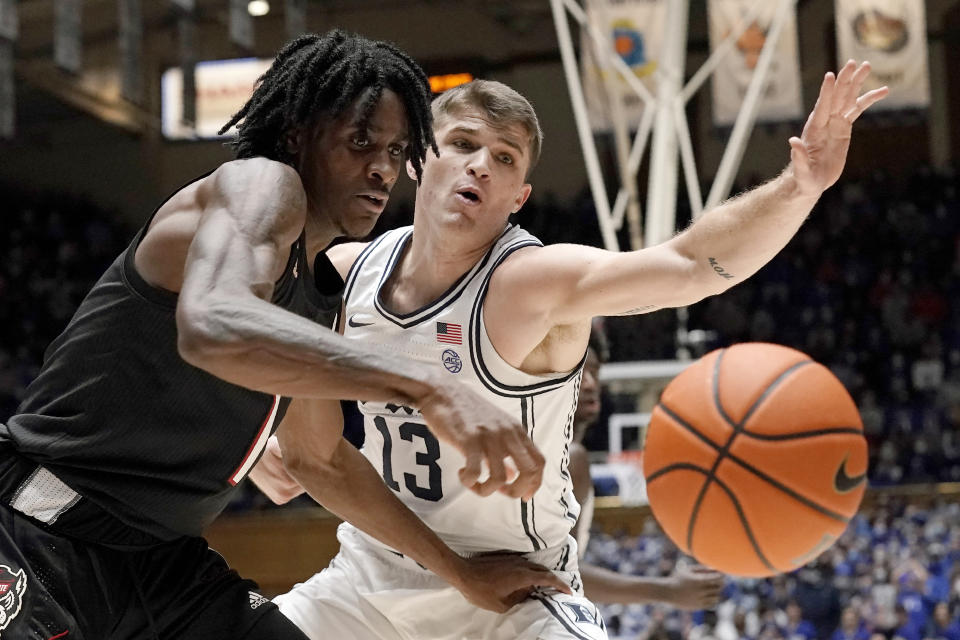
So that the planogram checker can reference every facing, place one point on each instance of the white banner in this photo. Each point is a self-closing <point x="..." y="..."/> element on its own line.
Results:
<point x="296" y="18"/>
<point x="241" y="24"/>
<point x="781" y="98"/>
<point x="67" y="45"/>
<point x="222" y="87"/>
<point x="8" y="102"/>
<point x="892" y="35"/>
<point x="636" y="29"/>
<point x="131" y="50"/>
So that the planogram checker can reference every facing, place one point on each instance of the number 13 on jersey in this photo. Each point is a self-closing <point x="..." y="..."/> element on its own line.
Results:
<point x="427" y="456"/>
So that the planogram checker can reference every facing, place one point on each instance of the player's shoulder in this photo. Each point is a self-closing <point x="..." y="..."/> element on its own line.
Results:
<point x="258" y="167"/>
<point x="259" y="179"/>
<point x="262" y="194"/>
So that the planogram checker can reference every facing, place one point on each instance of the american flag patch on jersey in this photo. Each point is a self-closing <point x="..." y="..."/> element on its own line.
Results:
<point x="449" y="333"/>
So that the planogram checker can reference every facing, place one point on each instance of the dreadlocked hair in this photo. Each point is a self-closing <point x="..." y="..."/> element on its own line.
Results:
<point x="321" y="75"/>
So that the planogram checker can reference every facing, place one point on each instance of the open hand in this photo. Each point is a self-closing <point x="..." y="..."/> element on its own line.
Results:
<point x="497" y="581"/>
<point x="693" y="588"/>
<point x="820" y="152"/>
<point x="484" y="433"/>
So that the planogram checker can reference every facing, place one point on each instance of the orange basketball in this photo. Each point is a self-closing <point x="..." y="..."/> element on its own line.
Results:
<point x="755" y="459"/>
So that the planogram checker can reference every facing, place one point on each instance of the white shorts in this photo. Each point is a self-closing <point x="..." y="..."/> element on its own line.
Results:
<point x="370" y="592"/>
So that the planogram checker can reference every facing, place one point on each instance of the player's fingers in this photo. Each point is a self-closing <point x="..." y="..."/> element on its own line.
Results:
<point x="843" y="88"/>
<point x="529" y="464"/>
<point x="847" y="88"/>
<point x="859" y="77"/>
<point x="546" y="579"/>
<point x="821" y="110"/>
<point x="516" y="598"/>
<point x="865" y="101"/>
<point x="470" y="472"/>
<point x="494" y="454"/>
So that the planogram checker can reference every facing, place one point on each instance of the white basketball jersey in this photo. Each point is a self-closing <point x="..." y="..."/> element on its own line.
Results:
<point x="449" y="334"/>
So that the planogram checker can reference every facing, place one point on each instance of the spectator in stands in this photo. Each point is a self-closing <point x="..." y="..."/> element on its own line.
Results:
<point x="851" y="626"/>
<point x="907" y="628"/>
<point x="798" y="628"/>
<point x="942" y="626"/>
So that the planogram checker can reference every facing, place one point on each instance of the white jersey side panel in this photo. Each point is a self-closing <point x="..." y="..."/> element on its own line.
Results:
<point x="449" y="335"/>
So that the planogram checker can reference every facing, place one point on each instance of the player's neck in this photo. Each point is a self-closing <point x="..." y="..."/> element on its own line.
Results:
<point x="319" y="232"/>
<point x="422" y="275"/>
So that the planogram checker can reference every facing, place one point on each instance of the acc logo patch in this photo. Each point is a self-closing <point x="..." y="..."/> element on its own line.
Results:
<point x="12" y="587"/>
<point x="451" y="360"/>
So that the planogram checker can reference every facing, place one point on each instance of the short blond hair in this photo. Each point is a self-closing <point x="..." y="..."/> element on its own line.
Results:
<point x="501" y="104"/>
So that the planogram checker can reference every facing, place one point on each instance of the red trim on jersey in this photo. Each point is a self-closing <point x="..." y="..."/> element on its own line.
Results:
<point x="267" y="422"/>
<point x="60" y="635"/>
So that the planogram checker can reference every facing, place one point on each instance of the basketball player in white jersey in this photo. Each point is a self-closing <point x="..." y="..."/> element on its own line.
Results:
<point x="485" y="303"/>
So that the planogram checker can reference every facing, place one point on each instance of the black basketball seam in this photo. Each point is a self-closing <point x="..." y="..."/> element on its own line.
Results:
<point x="795" y="435"/>
<point x="800" y="435"/>
<point x="733" y="498"/>
<point x="776" y="483"/>
<point x="793" y="494"/>
<point x="713" y="469"/>
<point x="737" y="428"/>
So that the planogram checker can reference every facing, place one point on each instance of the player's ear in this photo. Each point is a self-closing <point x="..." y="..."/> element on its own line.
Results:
<point x="411" y="171"/>
<point x="293" y="141"/>
<point x="522" y="196"/>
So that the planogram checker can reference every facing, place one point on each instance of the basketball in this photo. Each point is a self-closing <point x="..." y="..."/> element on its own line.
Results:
<point x="755" y="459"/>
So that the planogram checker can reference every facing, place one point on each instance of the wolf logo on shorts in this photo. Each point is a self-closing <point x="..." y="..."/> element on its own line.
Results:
<point x="12" y="586"/>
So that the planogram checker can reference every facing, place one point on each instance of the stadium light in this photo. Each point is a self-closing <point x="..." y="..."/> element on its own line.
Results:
<point x="258" y="8"/>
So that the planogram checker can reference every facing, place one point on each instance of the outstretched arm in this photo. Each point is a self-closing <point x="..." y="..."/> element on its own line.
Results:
<point x="695" y="588"/>
<point x="568" y="284"/>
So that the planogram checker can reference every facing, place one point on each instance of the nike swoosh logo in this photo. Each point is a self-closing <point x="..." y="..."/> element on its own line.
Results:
<point x="355" y="324"/>
<point x="844" y="483"/>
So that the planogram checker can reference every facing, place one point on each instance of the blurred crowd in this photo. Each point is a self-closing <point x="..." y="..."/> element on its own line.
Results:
<point x="54" y="248"/>
<point x="894" y="574"/>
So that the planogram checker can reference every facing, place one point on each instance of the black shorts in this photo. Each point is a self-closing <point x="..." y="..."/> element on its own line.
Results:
<point x="53" y="587"/>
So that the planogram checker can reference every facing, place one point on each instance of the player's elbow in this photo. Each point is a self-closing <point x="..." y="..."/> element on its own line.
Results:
<point x="311" y="470"/>
<point x="202" y="338"/>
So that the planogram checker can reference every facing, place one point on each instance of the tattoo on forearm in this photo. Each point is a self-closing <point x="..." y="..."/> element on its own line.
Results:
<point x="649" y="307"/>
<point x="720" y="270"/>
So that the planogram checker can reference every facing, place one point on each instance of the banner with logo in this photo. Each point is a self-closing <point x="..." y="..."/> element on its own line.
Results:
<point x="636" y="29"/>
<point x="781" y="97"/>
<point x="892" y="35"/>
